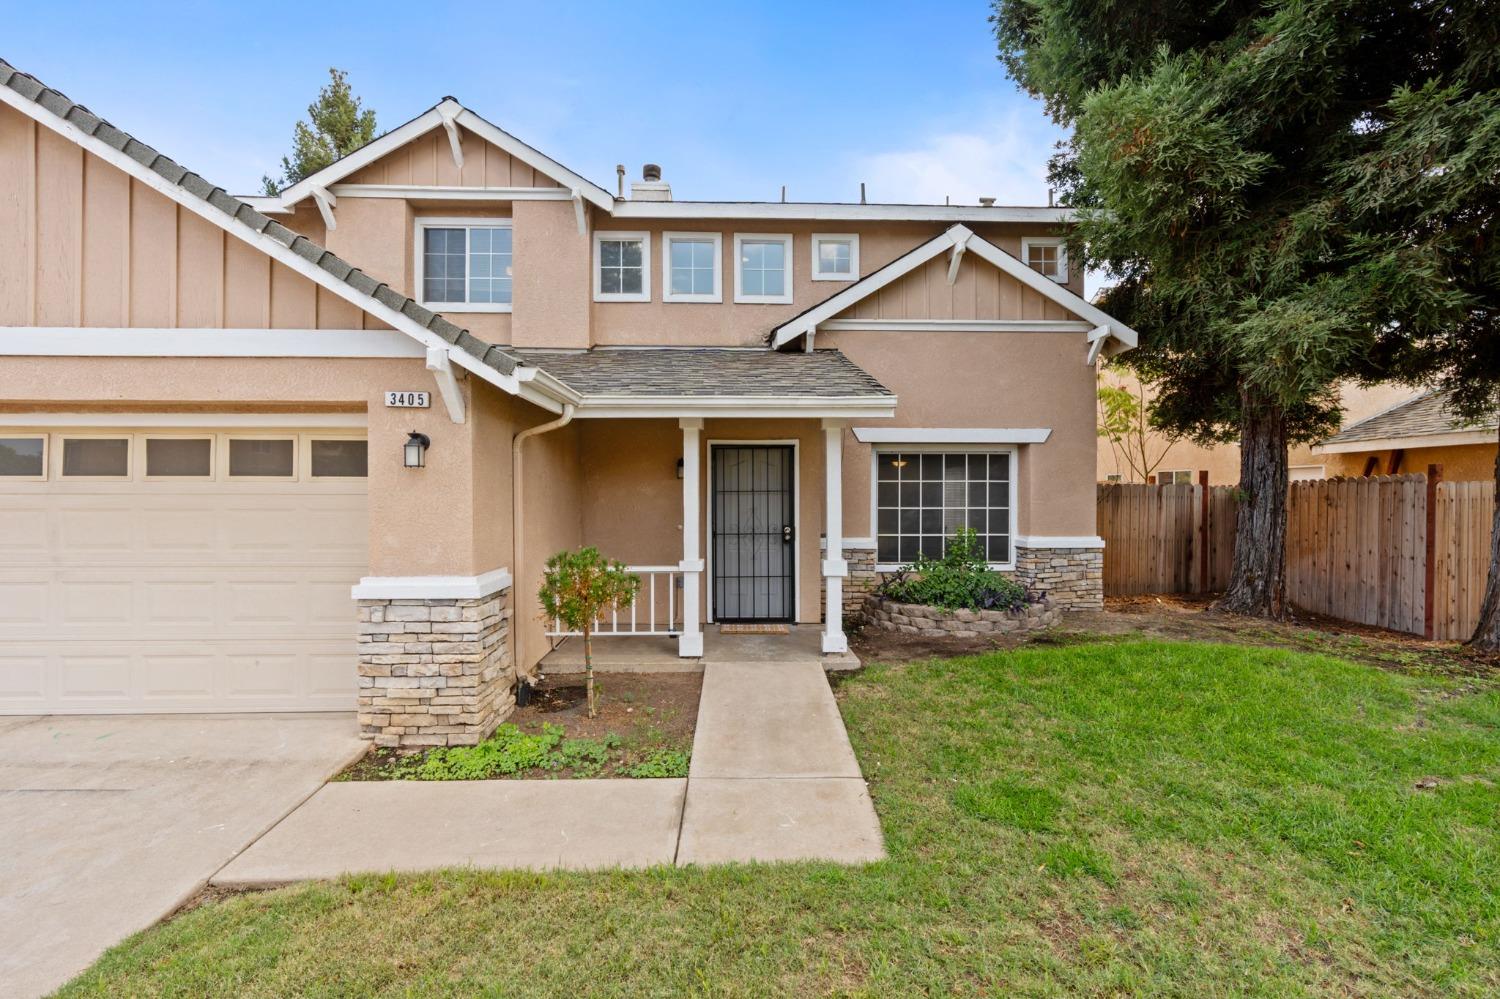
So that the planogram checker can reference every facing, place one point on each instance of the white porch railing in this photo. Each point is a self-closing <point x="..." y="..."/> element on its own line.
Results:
<point x="656" y="610"/>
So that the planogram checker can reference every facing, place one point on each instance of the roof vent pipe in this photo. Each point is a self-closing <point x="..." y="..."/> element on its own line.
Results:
<point x="651" y="173"/>
<point x="987" y="202"/>
<point x="620" y="180"/>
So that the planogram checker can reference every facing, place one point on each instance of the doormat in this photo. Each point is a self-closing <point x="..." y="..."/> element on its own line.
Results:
<point x="754" y="629"/>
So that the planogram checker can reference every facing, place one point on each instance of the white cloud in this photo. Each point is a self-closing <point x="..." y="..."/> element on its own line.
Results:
<point x="1003" y="156"/>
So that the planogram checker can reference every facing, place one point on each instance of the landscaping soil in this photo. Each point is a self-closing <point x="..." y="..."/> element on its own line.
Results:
<point x="1193" y="618"/>
<point x="645" y="710"/>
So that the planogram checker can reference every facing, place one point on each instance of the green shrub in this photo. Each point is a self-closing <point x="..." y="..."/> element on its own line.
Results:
<point x="961" y="579"/>
<point x="659" y="763"/>
<point x="508" y="751"/>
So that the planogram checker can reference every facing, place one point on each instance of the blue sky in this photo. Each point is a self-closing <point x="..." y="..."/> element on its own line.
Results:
<point x="732" y="100"/>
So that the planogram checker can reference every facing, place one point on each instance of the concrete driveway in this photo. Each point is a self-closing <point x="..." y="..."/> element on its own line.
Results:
<point x="109" y="822"/>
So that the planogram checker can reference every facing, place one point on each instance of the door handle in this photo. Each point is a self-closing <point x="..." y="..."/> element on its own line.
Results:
<point x="786" y="533"/>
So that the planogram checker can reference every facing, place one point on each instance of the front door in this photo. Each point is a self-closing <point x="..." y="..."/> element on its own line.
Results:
<point x="752" y="545"/>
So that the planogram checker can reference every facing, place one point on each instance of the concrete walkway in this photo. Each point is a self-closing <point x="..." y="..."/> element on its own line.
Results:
<point x="773" y="778"/>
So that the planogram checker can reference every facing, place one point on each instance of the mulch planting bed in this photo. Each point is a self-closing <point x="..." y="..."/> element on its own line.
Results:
<point x="644" y="728"/>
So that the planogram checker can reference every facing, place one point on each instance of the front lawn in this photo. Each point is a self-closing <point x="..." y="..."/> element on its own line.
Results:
<point x="1131" y="818"/>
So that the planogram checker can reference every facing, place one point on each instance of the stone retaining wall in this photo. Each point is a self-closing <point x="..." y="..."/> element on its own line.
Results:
<point x="1071" y="578"/>
<point x="434" y="672"/>
<point x="919" y="619"/>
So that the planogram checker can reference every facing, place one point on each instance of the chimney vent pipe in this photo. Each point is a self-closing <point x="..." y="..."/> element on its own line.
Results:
<point x="651" y="172"/>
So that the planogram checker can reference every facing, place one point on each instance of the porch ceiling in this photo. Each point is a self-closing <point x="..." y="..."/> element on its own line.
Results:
<point x="647" y="381"/>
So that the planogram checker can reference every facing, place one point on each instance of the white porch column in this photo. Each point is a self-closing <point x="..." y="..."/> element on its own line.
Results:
<point x="690" y="641"/>
<point x="834" y="566"/>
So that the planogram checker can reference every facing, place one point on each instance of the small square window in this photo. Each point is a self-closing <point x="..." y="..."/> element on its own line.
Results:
<point x="96" y="457"/>
<point x="622" y="267"/>
<point x="252" y="457"/>
<point x="763" y="268"/>
<point x="340" y="459"/>
<point x="835" y="257"/>
<point x="1047" y="256"/>
<point x="23" y="457"/>
<point x="691" y="267"/>
<point x="179" y="457"/>
<point x="465" y="267"/>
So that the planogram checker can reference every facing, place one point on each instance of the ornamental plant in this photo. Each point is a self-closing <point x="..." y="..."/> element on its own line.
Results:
<point x="960" y="580"/>
<point x="577" y="588"/>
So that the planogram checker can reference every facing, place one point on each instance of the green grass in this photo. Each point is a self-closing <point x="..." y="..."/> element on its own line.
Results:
<point x="1107" y="819"/>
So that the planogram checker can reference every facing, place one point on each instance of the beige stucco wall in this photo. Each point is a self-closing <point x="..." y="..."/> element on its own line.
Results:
<point x="1011" y="380"/>
<point x="1461" y="463"/>
<point x="86" y="245"/>
<point x="552" y="283"/>
<point x="1222" y="461"/>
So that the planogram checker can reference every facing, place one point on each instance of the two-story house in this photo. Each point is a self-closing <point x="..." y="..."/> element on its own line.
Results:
<point x="425" y="369"/>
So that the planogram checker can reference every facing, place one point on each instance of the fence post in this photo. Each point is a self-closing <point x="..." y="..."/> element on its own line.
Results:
<point x="1203" y="530"/>
<point x="1429" y="570"/>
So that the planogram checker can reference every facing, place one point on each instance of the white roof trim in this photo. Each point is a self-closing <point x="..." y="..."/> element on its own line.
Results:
<point x="441" y="192"/>
<point x="759" y="407"/>
<point x="955" y="326"/>
<point x="952" y="435"/>
<point x="65" y="341"/>
<point x="431" y="587"/>
<point x="837" y="211"/>
<point x="447" y="114"/>
<point x="1454" y="438"/>
<point x="204" y="421"/>
<point x="953" y="237"/>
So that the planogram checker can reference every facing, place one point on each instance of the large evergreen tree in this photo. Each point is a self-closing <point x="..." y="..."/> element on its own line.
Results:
<point x="1426" y="200"/>
<point x="336" y="125"/>
<point x="1210" y="159"/>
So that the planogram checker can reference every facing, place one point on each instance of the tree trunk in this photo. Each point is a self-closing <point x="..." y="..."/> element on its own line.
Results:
<point x="1257" y="585"/>
<point x="1487" y="635"/>
<point x="588" y="670"/>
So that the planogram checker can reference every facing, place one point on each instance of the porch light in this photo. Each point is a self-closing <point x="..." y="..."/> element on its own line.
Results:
<point x="416" y="449"/>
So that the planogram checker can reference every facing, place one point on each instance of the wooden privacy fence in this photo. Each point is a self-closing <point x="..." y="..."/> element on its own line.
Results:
<point x="1356" y="549"/>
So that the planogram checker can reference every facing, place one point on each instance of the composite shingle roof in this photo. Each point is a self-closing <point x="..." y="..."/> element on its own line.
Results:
<point x="707" y="372"/>
<point x="239" y="213"/>
<point x="1423" y="416"/>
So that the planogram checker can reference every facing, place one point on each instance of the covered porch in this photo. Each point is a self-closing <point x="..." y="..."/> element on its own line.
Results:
<point x="717" y="476"/>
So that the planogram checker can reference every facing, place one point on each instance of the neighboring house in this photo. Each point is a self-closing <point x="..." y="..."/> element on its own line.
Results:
<point x="1181" y="460"/>
<point x="1410" y="436"/>
<point x="209" y="435"/>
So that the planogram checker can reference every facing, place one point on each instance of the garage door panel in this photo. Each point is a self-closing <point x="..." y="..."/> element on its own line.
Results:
<point x="205" y="595"/>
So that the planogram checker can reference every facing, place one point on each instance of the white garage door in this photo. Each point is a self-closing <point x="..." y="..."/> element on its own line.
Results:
<point x="179" y="570"/>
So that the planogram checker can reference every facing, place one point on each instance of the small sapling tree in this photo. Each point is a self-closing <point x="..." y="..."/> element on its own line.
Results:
<point x="577" y="588"/>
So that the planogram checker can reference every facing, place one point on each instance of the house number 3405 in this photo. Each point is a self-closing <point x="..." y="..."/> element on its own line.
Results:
<point x="408" y="400"/>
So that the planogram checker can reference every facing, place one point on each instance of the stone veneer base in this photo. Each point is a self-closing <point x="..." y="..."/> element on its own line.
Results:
<point x="434" y="672"/>
<point x="1071" y="578"/>
<point x="938" y="622"/>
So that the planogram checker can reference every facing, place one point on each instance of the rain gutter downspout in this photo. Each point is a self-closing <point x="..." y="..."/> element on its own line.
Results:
<point x="517" y="518"/>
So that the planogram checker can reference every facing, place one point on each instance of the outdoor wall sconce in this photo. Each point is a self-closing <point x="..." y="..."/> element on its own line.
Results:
<point x="679" y="468"/>
<point x="416" y="449"/>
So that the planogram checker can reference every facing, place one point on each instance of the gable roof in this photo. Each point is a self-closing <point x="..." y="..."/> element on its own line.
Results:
<point x="447" y="113"/>
<point x="1421" y="422"/>
<point x="77" y="123"/>
<point x="956" y="239"/>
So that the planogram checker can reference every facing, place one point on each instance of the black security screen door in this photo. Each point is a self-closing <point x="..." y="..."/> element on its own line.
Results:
<point x="751" y="489"/>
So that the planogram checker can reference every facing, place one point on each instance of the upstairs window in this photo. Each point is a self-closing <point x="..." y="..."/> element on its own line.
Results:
<point x="692" y="262"/>
<point x="464" y="266"/>
<point x="835" y="258"/>
<point x="764" y="268"/>
<point x="622" y="267"/>
<point x="1048" y="256"/>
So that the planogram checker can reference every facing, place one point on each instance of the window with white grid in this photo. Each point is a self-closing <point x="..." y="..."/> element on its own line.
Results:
<point x="923" y="497"/>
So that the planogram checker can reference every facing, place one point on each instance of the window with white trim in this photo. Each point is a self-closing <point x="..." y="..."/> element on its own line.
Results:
<point x="23" y="457"/>
<point x="262" y="457"/>
<point x="835" y="257"/>
<point x="763" y="268"/>
<point x="1176" y="477"/>
<point x="464" y="266"/>
<point x="692" y="265"/>
<point x="96" y="457"/>
<point x="338" y="458"/>
<point x="1047" y="255"/>
<point x="923" y="496"/>
<point x="622" y="267"/>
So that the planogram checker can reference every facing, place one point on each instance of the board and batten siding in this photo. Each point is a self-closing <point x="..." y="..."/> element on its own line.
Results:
<point x="428" y="160"/>
<point x="979" y="291"/>
<point x="84" y="244"/>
